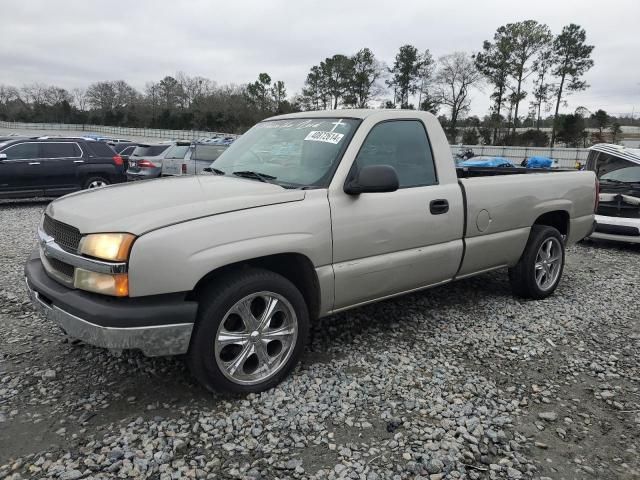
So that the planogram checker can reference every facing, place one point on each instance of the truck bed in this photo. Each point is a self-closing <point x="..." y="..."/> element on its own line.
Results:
<point x="470" y="172"/>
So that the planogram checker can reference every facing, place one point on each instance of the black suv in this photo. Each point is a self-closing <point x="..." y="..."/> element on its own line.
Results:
<point x="48" y="167"/>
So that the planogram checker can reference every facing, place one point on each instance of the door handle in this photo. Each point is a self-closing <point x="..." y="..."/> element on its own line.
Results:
<point x="34" y="163"/>
<point x="78" y="161"/>
<point x="438" y="207"/>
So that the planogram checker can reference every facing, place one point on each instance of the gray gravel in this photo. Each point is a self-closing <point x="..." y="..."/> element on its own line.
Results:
<point x="462" y="381"/>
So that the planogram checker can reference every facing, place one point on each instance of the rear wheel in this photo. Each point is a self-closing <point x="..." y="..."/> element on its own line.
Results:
<point x="95" y="182"/>
<point x="250" y="333"/>
<point x="539" y="270"/>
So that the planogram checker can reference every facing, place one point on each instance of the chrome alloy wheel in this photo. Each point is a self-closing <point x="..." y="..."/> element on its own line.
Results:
<point x="256" y="338"/>
<point x="548" y="263"/>
<point x="97" y="184"/>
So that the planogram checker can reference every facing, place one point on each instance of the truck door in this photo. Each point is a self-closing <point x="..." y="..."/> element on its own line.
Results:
<point x="20" y="171"/>
<point x="394" y="242"/>
<point x="59" y="164"/>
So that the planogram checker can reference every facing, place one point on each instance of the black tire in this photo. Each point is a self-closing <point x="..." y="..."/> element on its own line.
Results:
<point x="216" y="301"/>
<point x="92" y="180"/>
<point x="523" y="275"/>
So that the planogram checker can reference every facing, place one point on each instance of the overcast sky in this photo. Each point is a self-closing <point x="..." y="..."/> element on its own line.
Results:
<point x="73" y="43"/>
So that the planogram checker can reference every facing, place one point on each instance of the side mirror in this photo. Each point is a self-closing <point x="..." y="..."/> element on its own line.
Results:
<point x="3" y="156"/>
<point x="373" y="179"/>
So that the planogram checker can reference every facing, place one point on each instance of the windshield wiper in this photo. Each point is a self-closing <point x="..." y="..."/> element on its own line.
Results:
<point x="217" y="171"/>
<point x="263" y="177"/>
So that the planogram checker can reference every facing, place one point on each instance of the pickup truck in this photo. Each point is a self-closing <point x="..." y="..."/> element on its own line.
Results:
<point x="618" y="171"/>
<point x="304" y="216"/>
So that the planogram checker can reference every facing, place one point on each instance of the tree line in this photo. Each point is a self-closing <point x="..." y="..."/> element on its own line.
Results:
<point x="520" y="56"/>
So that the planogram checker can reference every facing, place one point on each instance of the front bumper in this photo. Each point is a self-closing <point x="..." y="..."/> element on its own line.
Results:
<point x="158" y="325"/>
<point x="618" y="229"/>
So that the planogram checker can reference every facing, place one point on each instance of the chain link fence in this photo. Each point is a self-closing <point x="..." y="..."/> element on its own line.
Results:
<point x="565" y="157"/>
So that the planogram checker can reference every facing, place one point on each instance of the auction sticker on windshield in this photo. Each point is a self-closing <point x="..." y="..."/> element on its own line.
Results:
<point x="328" y="137"/>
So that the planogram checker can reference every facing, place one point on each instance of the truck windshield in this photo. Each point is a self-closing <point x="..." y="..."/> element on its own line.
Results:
<point x="292" y="153"/>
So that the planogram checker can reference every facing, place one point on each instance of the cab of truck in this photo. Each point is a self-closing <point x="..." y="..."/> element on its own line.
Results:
<point x="618" y="171"/>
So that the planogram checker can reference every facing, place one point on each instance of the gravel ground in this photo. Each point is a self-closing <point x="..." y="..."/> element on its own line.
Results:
<point x="462" y="381"/>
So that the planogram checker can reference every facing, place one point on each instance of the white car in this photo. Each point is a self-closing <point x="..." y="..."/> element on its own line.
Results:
<point x="618" y="213"/>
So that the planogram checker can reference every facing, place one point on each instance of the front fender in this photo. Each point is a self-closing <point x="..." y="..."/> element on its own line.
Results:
<point x="175" y="258"/>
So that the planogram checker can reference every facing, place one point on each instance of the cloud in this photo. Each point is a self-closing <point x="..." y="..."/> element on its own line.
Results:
<point x="74" y="43"/>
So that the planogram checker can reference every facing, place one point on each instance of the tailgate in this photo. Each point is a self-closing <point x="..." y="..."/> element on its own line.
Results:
<point x="172" y="166"/>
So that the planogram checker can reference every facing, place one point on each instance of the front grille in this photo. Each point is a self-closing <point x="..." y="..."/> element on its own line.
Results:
<point x="621" y="210"/>
<point x="57" y="270"/>
<point x="66" y="236"/>
<point x="61" y="267"/>
<point x="617" y="230"/>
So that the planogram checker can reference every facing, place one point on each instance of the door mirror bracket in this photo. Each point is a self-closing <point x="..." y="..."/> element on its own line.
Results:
<point x="373" y="179"/>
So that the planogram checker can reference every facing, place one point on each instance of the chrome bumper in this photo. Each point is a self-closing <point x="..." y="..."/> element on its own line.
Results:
<point x="152" y="340"/>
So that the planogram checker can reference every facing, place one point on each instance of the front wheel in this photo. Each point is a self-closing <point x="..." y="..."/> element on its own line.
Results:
<point x="538" y="272"/>
<point x="250" y="333"/>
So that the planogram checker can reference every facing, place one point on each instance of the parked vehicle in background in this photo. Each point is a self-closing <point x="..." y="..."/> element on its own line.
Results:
<point x="145" y="162"/>
<point x="102" y="138"/>
<point x="186" y="158"/>
<point x="464" y="155"/>
<point x="618" y="213"/>
<point x="124" y="150"/>
<point x="56" y="166"/>
<point x="305" y="215"/>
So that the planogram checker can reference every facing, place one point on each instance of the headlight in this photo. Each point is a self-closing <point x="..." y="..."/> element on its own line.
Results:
<point x="116" y="284"/>
<point x="107" y="246"/>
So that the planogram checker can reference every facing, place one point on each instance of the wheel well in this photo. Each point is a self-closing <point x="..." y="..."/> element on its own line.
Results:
<point x="295" y="267"/>
<point x="558" y="219"/>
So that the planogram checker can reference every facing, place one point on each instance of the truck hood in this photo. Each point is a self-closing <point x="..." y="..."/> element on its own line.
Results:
<point x="143" y="206"/>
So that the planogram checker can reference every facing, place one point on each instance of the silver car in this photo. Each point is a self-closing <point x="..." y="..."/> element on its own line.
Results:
<point x="186" y="158"/>
<point x="146" y="161"/>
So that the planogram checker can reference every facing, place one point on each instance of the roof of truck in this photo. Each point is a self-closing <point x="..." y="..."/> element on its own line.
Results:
<point x="631" y="154"/>
<point x="354" y="113"/>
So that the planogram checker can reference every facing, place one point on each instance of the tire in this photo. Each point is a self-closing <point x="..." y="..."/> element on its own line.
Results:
<point x="529" y="281"/>
<point x="95" y="182"/>
<point x="225" y="335"/>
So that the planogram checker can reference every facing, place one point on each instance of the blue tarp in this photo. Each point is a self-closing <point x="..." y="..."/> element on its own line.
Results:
<point x="486" y="162"/>
<point x="539" y="162"/>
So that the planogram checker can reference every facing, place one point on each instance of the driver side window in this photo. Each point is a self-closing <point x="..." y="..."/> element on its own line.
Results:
<point x="402" y="144"/>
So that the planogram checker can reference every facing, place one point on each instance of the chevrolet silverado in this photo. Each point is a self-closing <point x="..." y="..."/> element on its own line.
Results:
<point x="304" y="216"/>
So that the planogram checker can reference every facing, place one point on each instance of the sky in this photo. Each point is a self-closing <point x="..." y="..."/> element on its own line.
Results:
<point x="72" y="43"/>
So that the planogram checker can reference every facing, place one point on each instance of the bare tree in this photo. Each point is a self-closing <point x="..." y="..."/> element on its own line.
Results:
<point x="541" y="87"/>
<point x="80" y="98"/>
<point x="56" y="95"/>
<point x="101" y="96"/>
<point x="8" y="94"/>
<point x="426" y="100"/>
<point x="35" y="93"/>
<point x="455" y="78"/>
<point x="193" y="88"/>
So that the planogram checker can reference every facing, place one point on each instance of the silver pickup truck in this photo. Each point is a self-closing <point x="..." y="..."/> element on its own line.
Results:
<point x="305" y="215"/>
